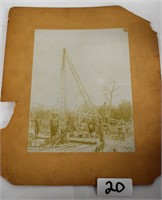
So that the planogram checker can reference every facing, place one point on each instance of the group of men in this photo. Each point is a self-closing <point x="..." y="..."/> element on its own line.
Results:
<point x="54" y="125"/>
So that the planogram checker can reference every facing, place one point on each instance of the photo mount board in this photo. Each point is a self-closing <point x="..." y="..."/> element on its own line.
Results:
<point x="21" y="167"/>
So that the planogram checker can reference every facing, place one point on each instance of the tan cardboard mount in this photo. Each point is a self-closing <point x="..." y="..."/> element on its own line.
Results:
<point x="23" y="168"/>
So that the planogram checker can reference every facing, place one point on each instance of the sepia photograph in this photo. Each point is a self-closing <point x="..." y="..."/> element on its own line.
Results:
<point x="81" y="96"/>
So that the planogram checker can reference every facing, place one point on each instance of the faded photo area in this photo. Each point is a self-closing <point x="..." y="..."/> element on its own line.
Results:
<point x="81" y="99"/>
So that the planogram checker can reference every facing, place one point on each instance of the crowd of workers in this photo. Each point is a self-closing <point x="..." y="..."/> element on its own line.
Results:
<point x="96" y="127"/>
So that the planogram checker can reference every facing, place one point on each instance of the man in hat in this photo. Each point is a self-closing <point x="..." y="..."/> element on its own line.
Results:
<point x="54" y="123"/>
<point x="37" y="122"/>
<point x="101" y="136"/>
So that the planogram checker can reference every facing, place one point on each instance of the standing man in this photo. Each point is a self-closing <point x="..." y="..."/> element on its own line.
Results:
<point x="101" y="136"/>
<point x="54" y="123"/>
<point x="91" y="127"/>
<point x="37" y="126"/>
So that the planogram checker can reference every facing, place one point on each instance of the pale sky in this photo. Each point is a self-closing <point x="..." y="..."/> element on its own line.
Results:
<point x="99" y="56"/>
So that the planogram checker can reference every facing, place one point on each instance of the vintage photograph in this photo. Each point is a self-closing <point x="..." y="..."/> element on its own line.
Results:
<point x="81" y="97"/>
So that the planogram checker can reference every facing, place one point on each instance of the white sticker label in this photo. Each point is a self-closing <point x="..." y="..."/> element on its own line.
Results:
<point x="118" y="187"/>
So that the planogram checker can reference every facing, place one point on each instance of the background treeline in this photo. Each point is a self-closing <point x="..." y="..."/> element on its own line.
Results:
<point x="123" y="111"/>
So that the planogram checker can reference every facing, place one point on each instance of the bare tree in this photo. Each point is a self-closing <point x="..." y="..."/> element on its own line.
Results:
<point x="109" y="97"/>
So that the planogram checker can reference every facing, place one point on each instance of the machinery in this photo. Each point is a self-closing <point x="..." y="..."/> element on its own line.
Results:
<point x="91" y="112"/>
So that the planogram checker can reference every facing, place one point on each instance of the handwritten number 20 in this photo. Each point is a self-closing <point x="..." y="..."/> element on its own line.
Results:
<point x="110" y="188"/>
